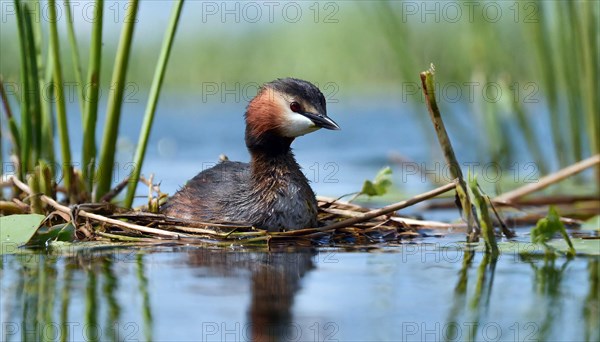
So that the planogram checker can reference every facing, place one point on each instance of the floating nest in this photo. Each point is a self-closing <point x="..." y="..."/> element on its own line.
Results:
<point x="341" y="223"/>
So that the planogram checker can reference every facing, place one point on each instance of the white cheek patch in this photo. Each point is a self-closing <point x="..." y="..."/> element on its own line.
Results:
<point x="295" y="125"/>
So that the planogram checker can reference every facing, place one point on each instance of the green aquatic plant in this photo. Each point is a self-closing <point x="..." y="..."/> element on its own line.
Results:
<point x="547" y="227"/>
<point x="380" y="185"/>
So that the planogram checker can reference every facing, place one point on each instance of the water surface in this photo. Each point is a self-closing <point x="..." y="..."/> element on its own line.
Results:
<point x="408" y="292"/>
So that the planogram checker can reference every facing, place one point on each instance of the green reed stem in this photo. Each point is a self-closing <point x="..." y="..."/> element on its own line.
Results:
<point x="61" y="113"/>
<point x="397" y="33"/>
<point x="33" y="180"/>
<point x="1" y="163"/>
<point x="48" y="116"/>
<point x="46" y="179"/>
<point x="45" y="78"/>
<point x="111" y="126"/>
<point x="530" y="136"/>
<point x="25" y="132"/>
<point x="569" y="48"/>
<point x="152" y="100"/>
<point x="90" y="114"/>
<point x="546" y="63"/>
<point x="34" y="82"/>
<point x="75" y="56"/>
<point x="588" y="31"/>
<point x="12" y="124"/>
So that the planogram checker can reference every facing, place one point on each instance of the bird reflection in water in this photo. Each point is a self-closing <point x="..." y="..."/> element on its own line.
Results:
<point x="275" y="279"/>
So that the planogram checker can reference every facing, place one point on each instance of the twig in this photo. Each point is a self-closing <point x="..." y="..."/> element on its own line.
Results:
<point x="96" y="217"/>
<point x="550" y="179"/>
<point x="404" y="220"/>
<point x="155" y="187"/>
<point x="7" y="208"/>
<point x="526" y="202"/>
<point x="421" y="223"/>
<point x="329" y="201"/>
<point x="150" y="186"/>
<point x="507" y="232"/>
<point x="115" y="191"/>
<point x="377" y="212"/>
<point x="127" y="238"/>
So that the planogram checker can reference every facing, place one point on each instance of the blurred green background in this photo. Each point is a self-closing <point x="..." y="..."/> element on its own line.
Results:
<point x="370" y="44"/>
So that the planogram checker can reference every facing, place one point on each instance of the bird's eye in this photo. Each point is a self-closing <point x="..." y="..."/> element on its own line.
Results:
<point x="295" y="107"/>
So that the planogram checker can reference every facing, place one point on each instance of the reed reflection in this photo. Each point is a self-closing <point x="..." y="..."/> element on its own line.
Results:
<point x="47" y="289"/>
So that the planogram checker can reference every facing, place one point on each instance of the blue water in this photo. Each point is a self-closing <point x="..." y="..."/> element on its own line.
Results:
<point x="403" y="293"/>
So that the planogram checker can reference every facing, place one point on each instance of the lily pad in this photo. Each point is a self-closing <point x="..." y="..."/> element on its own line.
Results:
<point x="16" y="230"/>
<point x="592" y="224"/>
<point x="582" y="246"/>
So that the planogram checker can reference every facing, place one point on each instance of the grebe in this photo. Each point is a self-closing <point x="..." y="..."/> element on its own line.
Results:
<point x="270" y="192"/>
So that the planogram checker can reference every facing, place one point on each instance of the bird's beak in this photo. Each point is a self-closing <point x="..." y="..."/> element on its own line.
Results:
<point x="322" y="121"/>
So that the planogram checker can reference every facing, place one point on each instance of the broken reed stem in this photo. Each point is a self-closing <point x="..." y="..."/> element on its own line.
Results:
<point x="375" y="213"/>
<point x="95" y="217"/>
<point x="548" y="180"/>
<point x="505" y="230"/>
<point x="444" y="140"/>
<point x="115" y="191"/>
<point x="483" y="216"/>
